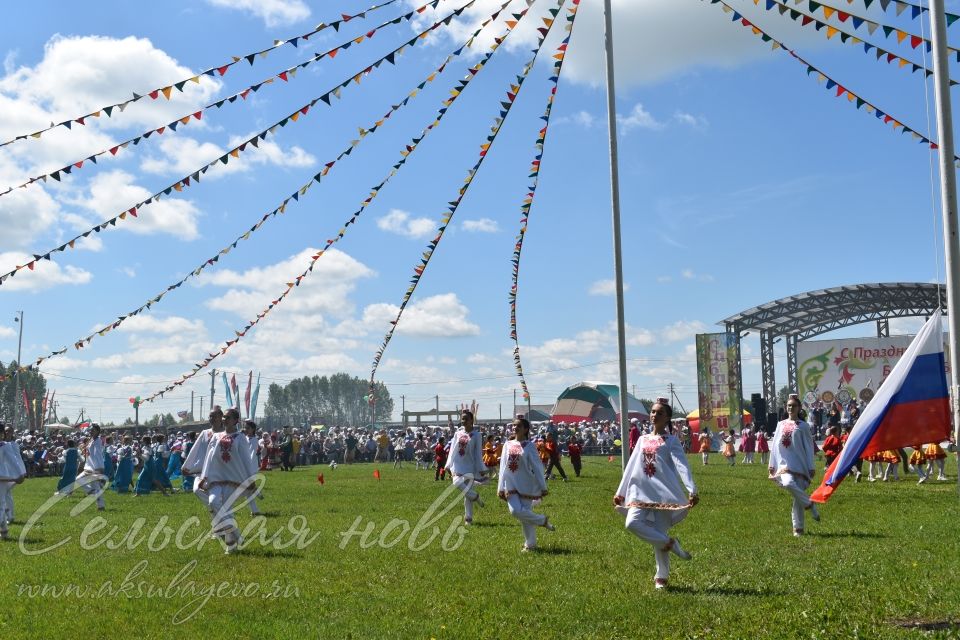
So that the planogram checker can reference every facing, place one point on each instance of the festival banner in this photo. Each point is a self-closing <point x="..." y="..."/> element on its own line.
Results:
<point x="253" y="399"/>
<point x="253" y="141"/>
<point x="831" y="84"/>
<point x="454" y="205"/>
<point x="317" y="178"/>
<point x="527" y="205"/>
<point x="217" y="70"/>
<point x="720" y="403"/>
<point x="374" y="192"/>
<point x="838" y="372"/>
<point x="881" y="54"/>
<point x="286" y="75"/>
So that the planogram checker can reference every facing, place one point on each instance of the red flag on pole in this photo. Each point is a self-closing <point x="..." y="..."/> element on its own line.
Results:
<point x="246" y="396"/>
<point x="376" y="473"/>
<point x="320" y="478"/>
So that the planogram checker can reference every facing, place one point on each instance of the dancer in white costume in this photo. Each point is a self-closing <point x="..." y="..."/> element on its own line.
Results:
<point x="791" y="462"/>
<point x="193" y="465"/>
<point x="651" y="493"/>
<point x="12" y="471"/>
<point x="522" y="483"/>
<point x="250" y="432"/>
<point x="227" y="475"/>
<point x="465" y="463"/>
<point x="92" y="478"/>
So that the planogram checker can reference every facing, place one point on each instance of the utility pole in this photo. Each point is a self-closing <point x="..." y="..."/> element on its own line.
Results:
<point x="514" y="409"/>
<point x="18" y="399"/>
<point x="191" y="405"/>
<point x="201" y="408"/>
<point x="501" y="413"/>
<point x="437" y="398"/>
<point x="213" y="373"/>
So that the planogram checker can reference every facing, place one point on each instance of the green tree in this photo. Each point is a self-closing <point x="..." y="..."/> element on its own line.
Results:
<point x="340" y="399"/>
<point x="11" y="402"/>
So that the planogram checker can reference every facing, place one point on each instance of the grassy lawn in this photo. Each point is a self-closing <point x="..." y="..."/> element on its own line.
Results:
<point x="884" y="552"/>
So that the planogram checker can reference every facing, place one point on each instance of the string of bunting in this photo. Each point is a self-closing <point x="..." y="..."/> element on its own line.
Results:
<point x="527" y="204"/>
<point x="845" y="37"/>
<point x="831" y="84"/>
<point x="219" y="70"/>
<point x="404" y="155"/>
<point x="279" y="210"/>
<point x="447" y="216"/>
<point x="286" y="76"/>
<point x="857" y="22"/>
<point x="253" y="141"/>
<point x="899" y="6"/>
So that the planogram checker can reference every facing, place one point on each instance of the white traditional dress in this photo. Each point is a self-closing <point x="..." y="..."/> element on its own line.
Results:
<point x="465" y="463"/>
<point x="652" y="496"/>
<point x="193" y="464"/>
<point x="791" y="465"/>
<point x="253" y="442"/>
<point x="227" y="472"/>
<point x="92" y="479"/>
<point x="12" y="470"/>
<point x="521" y="482"/>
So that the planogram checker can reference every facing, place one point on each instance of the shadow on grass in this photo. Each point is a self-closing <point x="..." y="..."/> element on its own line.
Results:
<point x="263" y="552"/>
<point x="726" y="591"/>
<point x="846" y="534"/>
<point x="490" y="524"/>
<point x="554" y="551"/>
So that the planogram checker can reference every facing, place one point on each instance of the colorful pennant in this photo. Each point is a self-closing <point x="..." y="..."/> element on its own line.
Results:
<point x="405" y="154"/>
<point x="447" y="216"/>
<point x="527" y="204"/>
<point x="915" y="10"/>
<point x="831" y="84"/>
<point x="254" y="141"/>
<point x="286" y="75"/>
<point x="297" y="194"/>
<point x="215" y="71"/>
<point x="856" y="21"/>
<point x="846" y="37"/>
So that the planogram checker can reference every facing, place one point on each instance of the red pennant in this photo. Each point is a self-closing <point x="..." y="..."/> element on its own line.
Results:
<point x="153" y="94"/>
<point x="223" y="70"/>
<point x="320" y="478"/>
<point x="376" y="473"/>
<point x="283" y="76"/>
<point x="915" y="41"/>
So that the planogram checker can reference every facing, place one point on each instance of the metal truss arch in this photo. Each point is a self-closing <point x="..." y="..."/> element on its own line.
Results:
<point x="806" y="315"/>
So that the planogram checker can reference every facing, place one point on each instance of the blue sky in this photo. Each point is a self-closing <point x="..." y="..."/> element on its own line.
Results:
<point x="742" y="180"/>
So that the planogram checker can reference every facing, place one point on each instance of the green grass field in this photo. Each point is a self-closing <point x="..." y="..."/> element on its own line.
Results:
<point x="884" y="553"/>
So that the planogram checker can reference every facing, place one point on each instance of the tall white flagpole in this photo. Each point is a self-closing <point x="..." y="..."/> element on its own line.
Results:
<point x="617" y="255"/>
<point x="948" y="198"/>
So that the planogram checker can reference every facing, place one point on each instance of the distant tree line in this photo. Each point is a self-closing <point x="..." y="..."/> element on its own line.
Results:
<point x="341" y="399"/>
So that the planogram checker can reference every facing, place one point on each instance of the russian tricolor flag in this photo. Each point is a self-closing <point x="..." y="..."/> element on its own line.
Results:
<point x="911" y="407"/>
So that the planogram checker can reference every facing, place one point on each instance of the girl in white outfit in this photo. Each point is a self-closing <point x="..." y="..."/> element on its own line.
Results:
<point x="522" y="483"/>
<point x="791" y="462"/>
<point x="651" y="493"/>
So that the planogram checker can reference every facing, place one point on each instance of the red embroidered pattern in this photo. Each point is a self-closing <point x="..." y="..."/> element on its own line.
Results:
<point x="514" y="454"/>
<point x="649" y="446"/>
<point x="786" y="438"/>
<point x="462" y="443"/>
<point x="226" y="443"/>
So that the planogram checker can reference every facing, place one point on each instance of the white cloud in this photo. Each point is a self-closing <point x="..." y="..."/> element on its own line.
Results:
<point x="682" y="330"/>
<point x="183" y="155"/>
<point x="646" y="46"/>
<point x="274" y="13"/>
<point x="164" y="326"/>
<point x="483" y="225"/>
<point x="905" y="326"/>
<point x="606" y="288"/>
<point x="45" y="273"/>
<point x="690" y="274"/>
<point x="25" y="214"/>
<point x="690" y="120"/>
<point x="440" y="316"/>
<point x="7" y="332"/>
<point x="401" y="223"/>
<point x="113" y="191"/>
<point x="581" y="118"/>
<point x="664" y="279"/>
<point x="639" y="118"/>
<point x="326" y="289"/>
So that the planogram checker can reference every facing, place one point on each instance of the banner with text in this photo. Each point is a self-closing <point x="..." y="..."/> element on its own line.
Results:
<point x="720" y="403"/>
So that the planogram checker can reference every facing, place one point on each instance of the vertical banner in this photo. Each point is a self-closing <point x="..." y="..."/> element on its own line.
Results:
<point x="720" y="404"/>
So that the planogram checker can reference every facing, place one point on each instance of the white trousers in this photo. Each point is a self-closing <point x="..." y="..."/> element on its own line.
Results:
<point x="651" y="525"/>
<point x="6" y="501"/>
<point x="92" y="485"/>
<point x="465" y="485"/>
<point x="797" y="487"/>
<point x="520" y="509"/>
<point x="6" y="505"/>
<point x="220" y="503"/>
